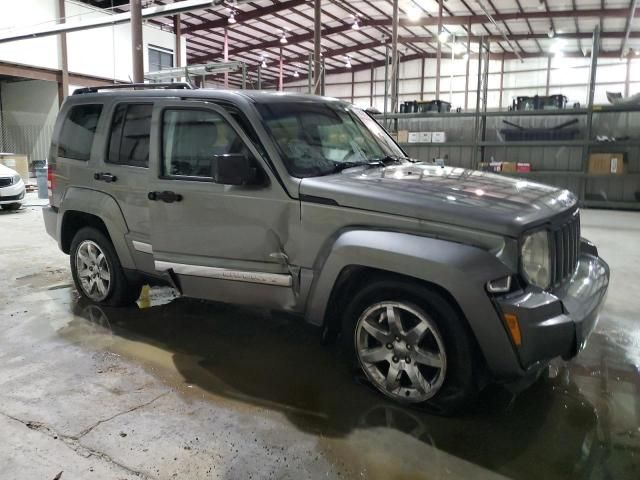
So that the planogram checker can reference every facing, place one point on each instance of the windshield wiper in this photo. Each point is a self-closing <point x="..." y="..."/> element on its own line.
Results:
<point x="340" y="166"/>
<point x="389" y="159"/>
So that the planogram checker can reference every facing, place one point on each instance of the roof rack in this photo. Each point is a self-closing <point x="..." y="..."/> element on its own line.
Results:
<point x="134" y="86"/>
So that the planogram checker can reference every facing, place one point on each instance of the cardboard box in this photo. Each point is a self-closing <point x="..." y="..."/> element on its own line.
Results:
<point x="414" y="137"/>
<point x="438" y="137"/>
<point x="19" y="163"/>
<point x="509" y="167"/>
<point x="403" y="136"/>
<point x="523" y="167"/>
<point x="606" y="163"/>
<point x="425" y="137"/>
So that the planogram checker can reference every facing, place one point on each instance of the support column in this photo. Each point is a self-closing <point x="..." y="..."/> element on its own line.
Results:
<point x="501" y="82"/>
<point x="63" y="84"/>
<point x="280" y="76"/>
<point x="439" y="52"/>
<point x="548" y="75"/>
<point x="317" y="47"/>
<point x="226" y="55"/>
<point x="177" y="30"/>
<point x="353" y="85"/>
<point x="371" y="87"/>
<point x="424" y="61"/>
<point x="136" y="40"/>
<point x="395" y="65"/>
<point x="466" y="80"/>
<point x="628" y="75"/>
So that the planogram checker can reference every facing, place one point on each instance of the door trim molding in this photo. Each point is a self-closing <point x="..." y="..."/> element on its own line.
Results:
<point x="142" y="247"/>
<point x="275" y="279"/>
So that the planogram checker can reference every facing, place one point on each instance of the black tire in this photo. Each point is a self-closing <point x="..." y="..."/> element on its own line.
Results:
<point x="463" y="361"/>
<point x="121" y="292"/>
<point x="11" y="206"/>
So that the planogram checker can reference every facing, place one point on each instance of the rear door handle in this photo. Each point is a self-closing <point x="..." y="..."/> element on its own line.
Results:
<point x="105" y="177"/>
<point x="166" y="196"/>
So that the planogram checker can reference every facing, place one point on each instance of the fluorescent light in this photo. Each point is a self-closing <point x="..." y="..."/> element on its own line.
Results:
<point x="414" y="13"/>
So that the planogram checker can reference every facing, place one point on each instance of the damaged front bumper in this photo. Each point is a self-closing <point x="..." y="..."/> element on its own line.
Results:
<point x="558" y="323"/>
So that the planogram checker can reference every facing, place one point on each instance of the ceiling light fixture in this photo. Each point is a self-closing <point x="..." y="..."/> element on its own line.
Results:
<point x="232" y="17"/>
<point x="295" y="73"/>
<point x="356" y="23"/>
<point x="283" y="39"/>
<point x="348" y="62"/>
<point x="551" y="33"/>
<point x="465" y="57"/>
<point x="443" y="36"/>
<point x="414" y="13"/>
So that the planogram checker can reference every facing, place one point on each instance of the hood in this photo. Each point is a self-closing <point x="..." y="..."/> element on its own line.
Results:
<point x="6" y="171"/>
<point x="466" y="198"/>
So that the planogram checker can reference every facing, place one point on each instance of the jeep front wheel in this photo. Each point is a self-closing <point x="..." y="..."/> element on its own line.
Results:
<point x="412" y="345"/>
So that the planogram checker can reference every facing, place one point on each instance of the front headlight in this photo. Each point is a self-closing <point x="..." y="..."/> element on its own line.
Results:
<point x="535" y="258"/>
<point x="16" y="179"/>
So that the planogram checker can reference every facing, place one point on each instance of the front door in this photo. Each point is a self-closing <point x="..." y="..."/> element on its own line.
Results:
<point x="219" y="242"/>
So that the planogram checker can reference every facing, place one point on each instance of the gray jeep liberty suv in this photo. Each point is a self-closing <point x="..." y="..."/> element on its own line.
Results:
<point x="437" y="279"/>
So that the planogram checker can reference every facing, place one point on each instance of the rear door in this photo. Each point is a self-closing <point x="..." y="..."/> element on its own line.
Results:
<point x="221" y="242"/>
<point x="123" y="172"/>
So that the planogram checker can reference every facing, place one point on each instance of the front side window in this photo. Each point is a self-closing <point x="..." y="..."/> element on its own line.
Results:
<point x="192" y="139"/>
<point x="319" y="138"/>
<point x="78" y="130"/>
<point x="130" y="131"/>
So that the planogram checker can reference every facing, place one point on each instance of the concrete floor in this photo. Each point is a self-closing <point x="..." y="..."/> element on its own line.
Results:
<point x="184" y="389"/>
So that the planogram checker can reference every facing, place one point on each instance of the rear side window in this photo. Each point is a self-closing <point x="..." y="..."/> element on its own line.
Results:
<point x="78" y="130"/>
<point x="130" y="130"/>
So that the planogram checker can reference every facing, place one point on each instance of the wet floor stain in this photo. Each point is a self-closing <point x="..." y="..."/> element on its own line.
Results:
<point x="582" y="421"/>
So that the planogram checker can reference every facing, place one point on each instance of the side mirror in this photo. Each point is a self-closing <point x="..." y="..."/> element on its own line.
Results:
<point x="234" y="169"/>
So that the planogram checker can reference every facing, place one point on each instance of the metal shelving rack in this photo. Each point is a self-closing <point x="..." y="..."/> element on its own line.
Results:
<point x="564" y="162"/>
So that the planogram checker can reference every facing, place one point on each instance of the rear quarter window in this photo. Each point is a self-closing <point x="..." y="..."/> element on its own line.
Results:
<point x="78" y="132"/>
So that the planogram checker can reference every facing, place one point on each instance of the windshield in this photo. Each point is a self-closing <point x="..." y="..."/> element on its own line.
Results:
<point x="317" y="138"/>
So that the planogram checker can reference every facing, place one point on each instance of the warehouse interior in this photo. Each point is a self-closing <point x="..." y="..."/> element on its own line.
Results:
<point x="498" y="95"/>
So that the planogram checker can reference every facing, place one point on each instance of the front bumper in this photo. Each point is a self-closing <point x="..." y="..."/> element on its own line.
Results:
<point x="12" y="193"/>
<point x="558" y="323"/>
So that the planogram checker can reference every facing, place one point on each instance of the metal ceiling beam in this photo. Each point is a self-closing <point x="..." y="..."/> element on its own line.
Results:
<point x="242" y="17"/>
<point x="447" y="20"/>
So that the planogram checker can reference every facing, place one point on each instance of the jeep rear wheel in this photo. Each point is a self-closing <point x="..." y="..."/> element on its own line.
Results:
<point x="412" y="345"/>
<point x="97" y="272"/>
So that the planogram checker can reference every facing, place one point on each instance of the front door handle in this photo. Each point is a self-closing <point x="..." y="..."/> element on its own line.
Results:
<point x="105" y="177"/>
<point x="166" y="196"/>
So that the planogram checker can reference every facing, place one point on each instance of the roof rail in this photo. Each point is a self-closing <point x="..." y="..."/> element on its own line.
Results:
<point x="134" y="86"/>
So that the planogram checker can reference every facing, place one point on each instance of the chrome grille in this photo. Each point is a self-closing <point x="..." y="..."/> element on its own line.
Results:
<point x="565" y="249"/>
<point x="5" y="182"/>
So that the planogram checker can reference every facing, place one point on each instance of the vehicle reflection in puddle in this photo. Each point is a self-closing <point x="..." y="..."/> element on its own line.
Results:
<point x="580" y="422"/>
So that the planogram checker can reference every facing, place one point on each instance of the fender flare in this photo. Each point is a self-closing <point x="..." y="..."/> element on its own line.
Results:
<point x="461" y="270"/>
<point x="103" y="206"/>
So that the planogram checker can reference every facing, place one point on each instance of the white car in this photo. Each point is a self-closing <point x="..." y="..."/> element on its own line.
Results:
<point x="11" y="189"/>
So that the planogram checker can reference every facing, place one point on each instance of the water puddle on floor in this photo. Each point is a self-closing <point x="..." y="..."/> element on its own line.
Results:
<point x="582" y="421"/>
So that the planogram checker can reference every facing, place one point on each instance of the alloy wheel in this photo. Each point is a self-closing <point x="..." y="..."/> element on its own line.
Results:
<point x="401" y="351"/>
<point x="93" y="270"/>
